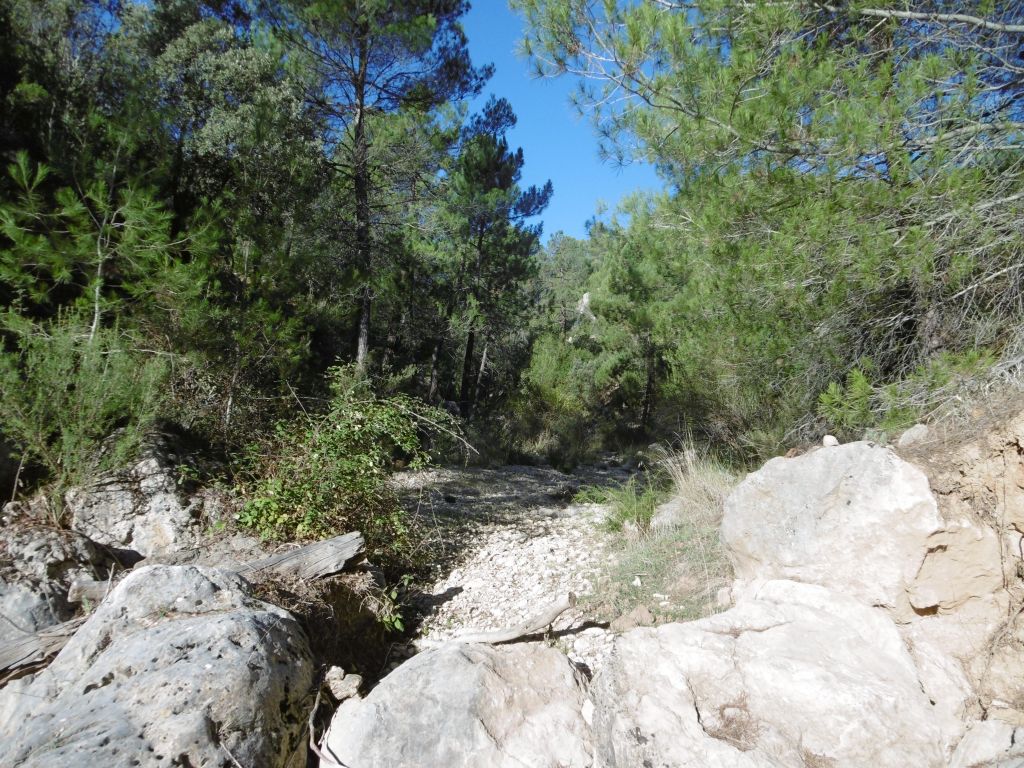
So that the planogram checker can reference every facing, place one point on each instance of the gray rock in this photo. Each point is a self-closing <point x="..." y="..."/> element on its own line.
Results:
<point x="37" y="565"/>
<point x="991" y="743"/>
<point x="913" y="436"/>
<point x="473" y="706"/>
<point x="342" y="686"/>
<point x="141" y="508"/>
<point x="178" y="666"/>
<point x="638" y="617"/>
<point x="855" y="518"/>
<point x="830" y="441"/>
<point x="795" y="675"/>
<point x="23" y="611"/>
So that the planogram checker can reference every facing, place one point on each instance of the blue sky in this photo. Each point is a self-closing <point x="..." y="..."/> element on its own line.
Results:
<point x="558" y="144"/>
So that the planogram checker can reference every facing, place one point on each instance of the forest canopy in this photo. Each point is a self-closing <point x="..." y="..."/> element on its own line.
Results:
<point x="209" y="209"/>
<point x="838" y="246"/>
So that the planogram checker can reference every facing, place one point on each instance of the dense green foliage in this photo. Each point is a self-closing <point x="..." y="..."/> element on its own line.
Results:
<point x="206" y="206"/>
<point x="203" y="200"/>
<point x="76" y="402"/>
<point x="330" y="473"/>
<point x="840" y="243"/>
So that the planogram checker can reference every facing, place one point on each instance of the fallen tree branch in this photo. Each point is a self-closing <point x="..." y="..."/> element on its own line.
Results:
<point x="312" y="561"/>
<point x="35" y="650"/>
<point x="532" y="626"/>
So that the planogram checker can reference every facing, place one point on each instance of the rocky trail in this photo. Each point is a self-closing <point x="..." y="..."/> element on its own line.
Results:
<point x="875" y="618"/>
<point x="511" y="541"/>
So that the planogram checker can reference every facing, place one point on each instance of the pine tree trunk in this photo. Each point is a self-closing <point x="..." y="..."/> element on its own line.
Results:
<point x="648" y="403"/>
<point x="467" y="377"/>
<point x="177" y="204"/>
<point x="435" y="363"/>
<point x="363" y="343"/>
<point x="480" y="375"/>
<point x="361" y="178"/>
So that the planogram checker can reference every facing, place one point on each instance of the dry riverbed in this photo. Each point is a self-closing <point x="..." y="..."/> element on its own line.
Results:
<point x="510" y="541"/>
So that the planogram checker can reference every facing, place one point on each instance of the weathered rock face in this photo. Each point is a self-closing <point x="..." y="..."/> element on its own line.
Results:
<point x="37" y="565"/>
<point x="141" y="508"/>
<point x="855" y="518"/>
<point x="962" y="564"/>
<point x="474" y="706"/>
<point x="982" y="476"/>
<point x="991" y="744"/>
<point x="793" y="675"/>
<point x="178" y="666"/>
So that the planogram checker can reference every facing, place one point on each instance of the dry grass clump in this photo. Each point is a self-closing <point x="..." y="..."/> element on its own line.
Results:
<point x="700" y="485"/>
<point x="675" y="565"/>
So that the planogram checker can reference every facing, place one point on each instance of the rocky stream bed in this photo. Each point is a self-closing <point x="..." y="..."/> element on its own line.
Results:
<point x="513" y="541"/>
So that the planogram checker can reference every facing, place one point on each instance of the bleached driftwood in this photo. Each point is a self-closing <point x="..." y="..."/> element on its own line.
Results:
<point x="88" y="589"/>
<point x="312" y="561"/>
<point x="531" y="626"/>
<point x="35" y="650"/>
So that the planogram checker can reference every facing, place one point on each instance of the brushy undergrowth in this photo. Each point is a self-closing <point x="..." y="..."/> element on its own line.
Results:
<point x="671" y="562"/>
<point x="74" y="401"/>
<point x="328" y="473"/>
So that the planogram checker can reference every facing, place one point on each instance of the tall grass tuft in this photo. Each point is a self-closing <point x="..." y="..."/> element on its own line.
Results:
<point x="674" y="564"/>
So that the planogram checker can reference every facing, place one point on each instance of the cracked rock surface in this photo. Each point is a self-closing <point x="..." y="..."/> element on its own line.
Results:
<point x="794" y="675"/>
<point x="178" y="666"/>
<point x="475" y="706"/>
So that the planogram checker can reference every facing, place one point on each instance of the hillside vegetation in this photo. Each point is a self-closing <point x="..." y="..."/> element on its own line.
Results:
<point x="838" y="245"/>
<point x="207" y="207"/>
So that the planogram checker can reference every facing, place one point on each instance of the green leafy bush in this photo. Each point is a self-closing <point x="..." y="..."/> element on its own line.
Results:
<point x="328" y="473"/>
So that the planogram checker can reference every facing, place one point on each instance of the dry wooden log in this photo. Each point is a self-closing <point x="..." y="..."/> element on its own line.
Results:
<point x="35" y="650"/>
<point x="313" y="561"/>
<point x="88" y="589"/>
<point x="532" y="626"/>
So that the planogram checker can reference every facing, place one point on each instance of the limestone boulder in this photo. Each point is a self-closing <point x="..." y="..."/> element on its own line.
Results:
<point x="855" y="518"/>
<point x="795" y="674"/>
<point x="37" y="565"/>
<point x="470" y="705"/>
<point x="178" y="666"/>
<point x="142" y="508"/>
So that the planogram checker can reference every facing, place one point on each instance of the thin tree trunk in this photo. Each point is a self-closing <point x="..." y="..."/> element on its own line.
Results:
<point x="648" y="403"/>
<point x="177" y="169"/>
<point x="101" y="260"/>
<point x="467" y="376"/>
<point x="361" y="176"/>
<point x="480" y="375"/>
<point x="363" y="344"/>
<point x="392" y="342"/>
<point x="435" y="363"/>
<point x="97" y="295"/>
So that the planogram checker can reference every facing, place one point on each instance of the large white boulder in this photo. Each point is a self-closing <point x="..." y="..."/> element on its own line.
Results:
<point x="178" y="666"/>
<point x="467" y="705"/>
<point x="794" y="675"/>
<point x="855" y="518"/>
